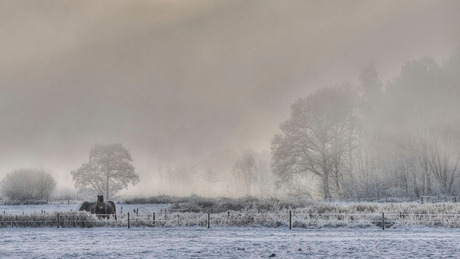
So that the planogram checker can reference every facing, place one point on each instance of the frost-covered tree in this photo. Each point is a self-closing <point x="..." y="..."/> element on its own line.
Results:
<point x="442" y="161"/>
<point x="265" y="179"/>
<point x="401" y="140"/>
<point x="317" y="137"/>
<point x="108" y="171"/>
<point x="410" y="136"/>
<point x="245" y="171"/>
<point x="420" y="109"/>
<point x="28" y="184"/>
<point x="252" y="174"/>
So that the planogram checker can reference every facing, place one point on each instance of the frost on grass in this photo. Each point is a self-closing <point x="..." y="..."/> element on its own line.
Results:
<point x="312" y="215"/>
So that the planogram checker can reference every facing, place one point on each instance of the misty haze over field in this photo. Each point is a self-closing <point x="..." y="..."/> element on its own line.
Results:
<point x="191" y="87"/>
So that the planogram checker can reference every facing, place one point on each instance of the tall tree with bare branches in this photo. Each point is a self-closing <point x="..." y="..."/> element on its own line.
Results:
<point x="108" y="171"/>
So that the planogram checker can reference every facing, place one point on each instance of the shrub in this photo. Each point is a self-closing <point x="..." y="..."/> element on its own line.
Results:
<point x="28" y="184"/>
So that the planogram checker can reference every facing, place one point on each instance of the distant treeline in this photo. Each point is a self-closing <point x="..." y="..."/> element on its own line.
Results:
<point x="377" y="139"/>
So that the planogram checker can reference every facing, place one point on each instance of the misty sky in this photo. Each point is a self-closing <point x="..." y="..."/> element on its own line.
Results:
<point x="175" y="80"/>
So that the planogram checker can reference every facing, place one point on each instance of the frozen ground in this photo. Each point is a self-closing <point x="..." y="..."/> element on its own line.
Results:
<point x="229" y="243"/>
<point x="59" y="207"/>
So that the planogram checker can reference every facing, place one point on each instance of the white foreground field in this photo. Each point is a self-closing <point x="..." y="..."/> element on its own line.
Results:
<point x="229" y="242"/>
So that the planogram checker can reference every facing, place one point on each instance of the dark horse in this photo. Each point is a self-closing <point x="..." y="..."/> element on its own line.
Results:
<point x="100" y="208"/>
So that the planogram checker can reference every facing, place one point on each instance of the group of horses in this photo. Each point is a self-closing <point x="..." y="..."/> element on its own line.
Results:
<point x="101" y="208"/>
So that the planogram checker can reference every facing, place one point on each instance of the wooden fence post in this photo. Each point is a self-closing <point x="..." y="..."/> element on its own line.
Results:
<point x="129" y="223"/>
<point x="383" y="220"/>
<point x="58" y="220"/>
<point x="290" y="219"/>
<point x="209" y="219"/>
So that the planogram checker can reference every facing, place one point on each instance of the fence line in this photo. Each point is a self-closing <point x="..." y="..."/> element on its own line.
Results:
<point x="290" y="219"/>
<point x="388" y="199"/>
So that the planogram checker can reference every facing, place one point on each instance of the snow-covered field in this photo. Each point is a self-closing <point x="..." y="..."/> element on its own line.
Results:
<point x="232" y="242"/>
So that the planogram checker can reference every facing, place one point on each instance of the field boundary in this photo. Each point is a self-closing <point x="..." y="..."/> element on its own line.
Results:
<point x="284" y="218"/>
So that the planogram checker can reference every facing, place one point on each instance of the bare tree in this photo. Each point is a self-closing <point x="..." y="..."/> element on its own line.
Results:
<point x="245" y="170"/>
<point x="265" y="179"/>
<point x="418" y="145"/>
<point x="442" y="162"/>
<point x="88" y="181"/>
<point x="316" y="137"/>
<point x="109" y="170"/>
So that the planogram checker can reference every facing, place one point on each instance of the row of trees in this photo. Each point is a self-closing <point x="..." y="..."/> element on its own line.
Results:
<point x="395" y="139"/>
<point x="108" y="171"/>
<point x="401" y="138"/>
<point x="222" y="173"/>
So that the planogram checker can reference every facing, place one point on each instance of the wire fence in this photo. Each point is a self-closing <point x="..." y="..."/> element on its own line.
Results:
<point x="421" y="199"/>
<point x="283" y="218"/>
